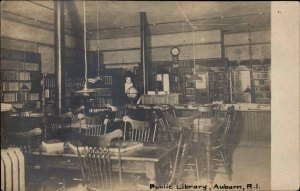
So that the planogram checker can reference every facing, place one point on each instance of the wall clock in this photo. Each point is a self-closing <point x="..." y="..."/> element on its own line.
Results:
<point x="175" y="51"/>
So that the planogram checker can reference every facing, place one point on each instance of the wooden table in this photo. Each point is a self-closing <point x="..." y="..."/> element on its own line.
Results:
<point x="150" y="160"/>
<point x="206" y="138"/>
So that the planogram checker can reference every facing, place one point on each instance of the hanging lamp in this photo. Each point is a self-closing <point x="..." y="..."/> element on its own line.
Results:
<point x="98" y="77"/>
<point x="194" y="76"/>
<point x="85" y="91"/>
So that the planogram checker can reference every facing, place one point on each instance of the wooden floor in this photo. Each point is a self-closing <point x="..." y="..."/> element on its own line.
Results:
<point x="252" y="165"/>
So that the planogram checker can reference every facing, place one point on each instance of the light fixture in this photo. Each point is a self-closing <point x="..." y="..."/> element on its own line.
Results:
<point x="85" y="91"/>
<point x="194" y="76"/>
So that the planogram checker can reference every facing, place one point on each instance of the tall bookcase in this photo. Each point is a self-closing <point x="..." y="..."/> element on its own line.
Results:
<point x="21" y="79"/>
<point x="103" y="92"/>
<point x="215" y="71"/>
<point x="49" y="93"/>
<point x="73" y="84"/>
<point x="262" y="83"/>
<point x="98" y="99"/>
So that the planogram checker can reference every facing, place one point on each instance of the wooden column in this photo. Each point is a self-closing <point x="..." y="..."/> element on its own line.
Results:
<point x="251" y="68"/>
<point x="143" y="23"/>
<point x="59" y="55"/>
<point x="222" y="45"/>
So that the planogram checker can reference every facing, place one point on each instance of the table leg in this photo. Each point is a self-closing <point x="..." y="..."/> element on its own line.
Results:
<point x="208" y="163"/>
<point x="151" y="172"/>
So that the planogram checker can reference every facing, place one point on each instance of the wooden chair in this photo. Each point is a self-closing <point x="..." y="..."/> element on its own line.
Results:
<point x="139" y="131"/>
<point x="180" y="124"/>
<point x="58" y="127"/>
<point x="175" y="175"/>
<point x="221" y="154"/>
<point x="95" y="125"/>
<point x="96" y="165"/>
<point x="181" y="158"/>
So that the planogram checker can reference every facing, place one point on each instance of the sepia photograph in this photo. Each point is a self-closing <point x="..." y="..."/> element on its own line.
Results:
<point x="138" y="95"/>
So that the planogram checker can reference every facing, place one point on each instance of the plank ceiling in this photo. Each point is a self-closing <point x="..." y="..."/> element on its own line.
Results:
<point x="121" y="18"/>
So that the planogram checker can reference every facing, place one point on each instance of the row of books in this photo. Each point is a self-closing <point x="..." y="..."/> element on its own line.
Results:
<point x="263" y="88"/>
<point x="260" y="75"/>
<point x="264" y="68"/>
<point x="49" y="83"/>
<point x="13" y="75"/>
<point x="263" y="95"/>
<point x="261" y="82"/>
<point x="15" y="86"/>
<point x="107" y="80"/>
<point x="16" y="65"/>
<point x="190" y="91"/>
<point x="183" y="71"/>
<point x="186" y="64"/>
<point x="103" y="92"/>
<point x="20" y="96"/>
<point x="21" y="105"/>
<point x="100" y="102"/>
<point x="50" y="93"/>
<point x="72" y="83"/>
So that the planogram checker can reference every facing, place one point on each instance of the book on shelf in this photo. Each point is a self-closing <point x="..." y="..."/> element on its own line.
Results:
<point x="50" y="93"/>
<point x="10" y="86"/>
<point x="17" y="65"/>
<point x="20" y="96"/>
<point x="29" y="66"/>
<point x="34" y="96"/>
<point x="9" y="97"/>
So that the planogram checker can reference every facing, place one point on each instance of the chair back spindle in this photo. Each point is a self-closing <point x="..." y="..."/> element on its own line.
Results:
<point x="96" y="165"/>
<point x="140" y="131"/>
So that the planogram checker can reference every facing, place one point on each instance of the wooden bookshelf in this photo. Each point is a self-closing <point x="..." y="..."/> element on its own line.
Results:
<point x="98" y="99"/>
<point x="103" y="92"/>
<point x="49" y="93"/>
<point x="262" y="83"/>
<point x="217" y="80"/>
<point x="21" y="79"/>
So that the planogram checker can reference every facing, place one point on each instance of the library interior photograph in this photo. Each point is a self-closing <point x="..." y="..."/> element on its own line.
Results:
<point x="135" y="95"/>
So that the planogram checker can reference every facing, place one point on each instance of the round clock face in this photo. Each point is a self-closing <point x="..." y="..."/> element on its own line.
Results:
<point x="175" y="51"/>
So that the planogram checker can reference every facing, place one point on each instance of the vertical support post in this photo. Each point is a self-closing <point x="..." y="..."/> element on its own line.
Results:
<point x="251" y="68"/>
<point x="143" y="51"/>
<point x="59" y="55"/>
<point x="222" y="45"/>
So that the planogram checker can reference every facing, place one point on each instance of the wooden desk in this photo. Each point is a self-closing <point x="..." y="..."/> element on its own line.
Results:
<point x="206" y="138"/>
<point x="151" y="160"/>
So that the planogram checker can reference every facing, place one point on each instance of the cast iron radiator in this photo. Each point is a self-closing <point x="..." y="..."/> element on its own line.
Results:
<point x="12" y="170"/>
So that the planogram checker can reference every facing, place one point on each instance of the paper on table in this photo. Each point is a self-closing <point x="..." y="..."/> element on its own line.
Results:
<point x="113" y="147"/>
<point x="125" y="146"/>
